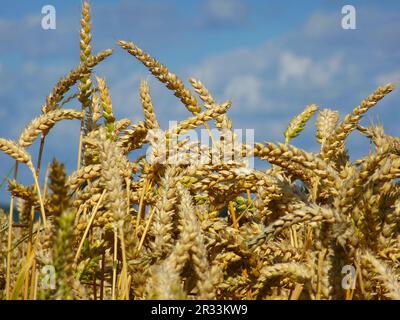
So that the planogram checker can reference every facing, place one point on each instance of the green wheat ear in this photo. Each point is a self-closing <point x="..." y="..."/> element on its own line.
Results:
<point x="298" y="123"/>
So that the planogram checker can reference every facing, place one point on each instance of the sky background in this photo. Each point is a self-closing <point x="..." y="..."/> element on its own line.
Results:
<point x="271" y="58"/>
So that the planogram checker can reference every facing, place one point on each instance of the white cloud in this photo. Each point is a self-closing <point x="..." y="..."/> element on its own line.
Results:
<point x="225" y="9"/>
<point x="324" y="71"/>
<point x="321" y="24"/>
<point x="307" y="70"/>
<point x="5" y="25"/>
<point x="33" y="21"/>
<point x="319" y="63"/>
<point x="221" y="67"/>
<point x="223" y="13"/>
<point x="293" y="67"/>
<point x="245" y="91"/>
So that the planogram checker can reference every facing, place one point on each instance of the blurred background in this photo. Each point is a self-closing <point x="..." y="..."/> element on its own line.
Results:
<point x="271" y="58"/>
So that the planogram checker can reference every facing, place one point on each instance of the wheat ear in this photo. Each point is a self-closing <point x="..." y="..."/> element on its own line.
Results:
<point x="21" y="191"/>
<point x="307" y="213"/>
<point x="147" y="104"/>
<point x="85" y="83"/>
<point x="383" y="274"/>
<point x="63" y="255"/>
<point x="223" y="121"/>
<point x="133" y="137"/>
<point x="292" y="270"/>
<point x="85" y="52"/>
<point x="205" y="284"/>
<point x="165" y="210"/>
<point x="298" y="123"/>
<point x="162" y="73"/>
<point x="200" y="119"/>
<point x="14" y="150"/>
<point x="106" y="105"/>
<point x="85" y="173"/>
<point x="287" y="155"/>
<point x="65" y="83"/>
<point x="112" y="163"/>
<point x="336" y="140"/>
<point x="43" y="123"/>
<point x="21" y="155"/>
<point x="326" y="122"/>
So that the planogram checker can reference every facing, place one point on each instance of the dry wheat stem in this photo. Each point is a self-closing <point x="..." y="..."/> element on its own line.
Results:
<point x="92" y="217"/>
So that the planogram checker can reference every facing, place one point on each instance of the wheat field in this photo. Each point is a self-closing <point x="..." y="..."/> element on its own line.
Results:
<point x="164" y="225"/>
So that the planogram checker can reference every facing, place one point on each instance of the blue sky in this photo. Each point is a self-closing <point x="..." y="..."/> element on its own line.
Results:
<point x="270" y="57"/>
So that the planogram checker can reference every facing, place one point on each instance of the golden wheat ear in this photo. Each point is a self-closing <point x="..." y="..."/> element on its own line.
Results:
<point x="148" y="108"/>
<point x="334" y="144"/>
<point x="43" y="123"/>
<point x="17" y="152"/>
<point x="200" y="118"/>
<point x="85" y="52"/>
<point x="14" y="150"/>
<point x="162" y="73"/>
<point x="326" y="122"/>
<point x="65" y="83"/>
<point x="85" y="83"/>
<point x="223" y="121"/>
